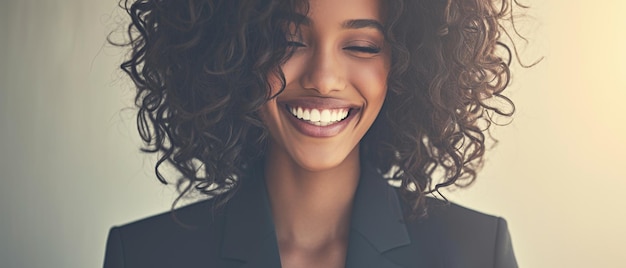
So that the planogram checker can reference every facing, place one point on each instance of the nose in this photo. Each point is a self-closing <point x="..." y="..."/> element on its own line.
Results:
<point x="324" y="72"/>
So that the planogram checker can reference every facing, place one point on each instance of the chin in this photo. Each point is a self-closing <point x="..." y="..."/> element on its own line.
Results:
<point x="322" y="160"/>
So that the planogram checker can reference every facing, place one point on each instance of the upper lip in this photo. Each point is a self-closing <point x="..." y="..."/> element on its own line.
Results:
<point x="319" y="103"/>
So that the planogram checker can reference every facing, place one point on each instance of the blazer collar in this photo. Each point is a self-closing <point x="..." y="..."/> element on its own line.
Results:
<point x="377" y="224"/>
<point x="248" y="228"/>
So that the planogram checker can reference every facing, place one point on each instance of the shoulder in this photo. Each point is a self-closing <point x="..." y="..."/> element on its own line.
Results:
<point x="458" y="220"/>
<point x="464" y="235"/>
<point x="179" y="238"/>
<point x="175" y="220"/>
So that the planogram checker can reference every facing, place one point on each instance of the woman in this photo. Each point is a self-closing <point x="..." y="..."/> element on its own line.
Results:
<point x="288" y="112"/>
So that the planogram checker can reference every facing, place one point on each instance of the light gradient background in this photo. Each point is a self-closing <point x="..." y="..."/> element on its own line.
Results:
<point x="70" y="167"/>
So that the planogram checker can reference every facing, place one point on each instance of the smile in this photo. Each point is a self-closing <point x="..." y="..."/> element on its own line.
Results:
<point x="319" y="117"/>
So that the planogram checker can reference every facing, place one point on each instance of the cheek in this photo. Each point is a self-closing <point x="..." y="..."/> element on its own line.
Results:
<point x="290" y="70"/>
<point x="268" y="110"/>
<point x="371" y="80"/>
<point x="270" y="116"/>
<point x="293" y="68"/>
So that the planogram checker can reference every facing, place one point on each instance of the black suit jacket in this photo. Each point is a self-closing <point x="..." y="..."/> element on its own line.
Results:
<point x="241" y="234"/>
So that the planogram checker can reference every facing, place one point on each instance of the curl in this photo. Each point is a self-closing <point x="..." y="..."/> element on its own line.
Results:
<point x="201" y="72"/>
<point x="446" y="87"/>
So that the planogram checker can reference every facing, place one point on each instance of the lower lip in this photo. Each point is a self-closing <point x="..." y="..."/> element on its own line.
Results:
<point x="320" y="131"/>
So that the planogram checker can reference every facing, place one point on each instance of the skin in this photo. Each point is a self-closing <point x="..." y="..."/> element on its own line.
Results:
<point x="312" y="179"/>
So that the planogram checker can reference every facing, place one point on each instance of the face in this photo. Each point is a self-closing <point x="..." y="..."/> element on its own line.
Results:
<point x="336" y="82"/>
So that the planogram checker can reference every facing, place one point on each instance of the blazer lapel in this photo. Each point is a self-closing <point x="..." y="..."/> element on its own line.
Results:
<point x="379" y="236"/>
<point x="248" y="228"/>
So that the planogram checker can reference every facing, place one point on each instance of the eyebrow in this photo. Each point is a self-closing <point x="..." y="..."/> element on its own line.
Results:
<point x="363" y="23"/>
<point x="348" y="24"/>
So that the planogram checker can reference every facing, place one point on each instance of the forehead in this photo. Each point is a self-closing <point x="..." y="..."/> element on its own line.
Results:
<point x="321" y="11"/>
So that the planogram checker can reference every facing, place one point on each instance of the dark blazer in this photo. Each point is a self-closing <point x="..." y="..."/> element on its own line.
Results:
<point x="241" y="234"/>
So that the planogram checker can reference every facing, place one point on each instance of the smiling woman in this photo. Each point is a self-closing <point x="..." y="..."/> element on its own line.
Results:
<point x="288" y="113"/>
<point x="338" y="65"/>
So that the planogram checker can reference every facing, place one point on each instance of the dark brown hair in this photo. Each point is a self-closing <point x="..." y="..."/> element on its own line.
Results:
<point x="201" y="69"/>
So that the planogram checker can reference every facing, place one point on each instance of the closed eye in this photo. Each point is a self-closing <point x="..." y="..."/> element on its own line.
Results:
<point x="364" y="49"/>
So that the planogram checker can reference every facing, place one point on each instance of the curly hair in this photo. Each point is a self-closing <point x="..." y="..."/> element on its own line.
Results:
<point x="201" y="70"/>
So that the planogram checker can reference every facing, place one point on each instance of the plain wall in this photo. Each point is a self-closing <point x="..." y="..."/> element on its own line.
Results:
<point x="70" y="166"/>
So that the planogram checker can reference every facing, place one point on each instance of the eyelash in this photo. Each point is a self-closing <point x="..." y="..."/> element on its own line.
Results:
<point x="361" y="49"/>
<point x="369" y="50"/>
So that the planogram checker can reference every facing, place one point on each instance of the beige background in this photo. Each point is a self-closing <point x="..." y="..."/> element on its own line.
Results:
<point x="70" y="166"/>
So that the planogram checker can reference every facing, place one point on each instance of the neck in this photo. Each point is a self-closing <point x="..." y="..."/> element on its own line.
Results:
<point x="311" y="208"/>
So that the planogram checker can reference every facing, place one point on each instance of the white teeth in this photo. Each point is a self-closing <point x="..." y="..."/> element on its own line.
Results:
<point x="325" y="116"/>
<point x="317" y="117"/>
<point x="300" y="112"/>
<point x="306" y="115"/>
